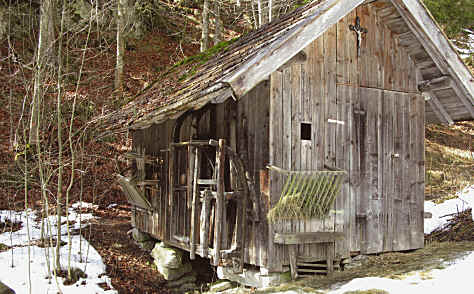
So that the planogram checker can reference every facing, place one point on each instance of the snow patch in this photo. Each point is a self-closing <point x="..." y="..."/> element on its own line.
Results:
<point x="454" y="278"/>
<point x="14" y="262"/>
<point x="442" y="212"/>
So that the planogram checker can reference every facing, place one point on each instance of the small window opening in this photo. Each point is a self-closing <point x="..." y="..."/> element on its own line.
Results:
<point x="305" y="131"/>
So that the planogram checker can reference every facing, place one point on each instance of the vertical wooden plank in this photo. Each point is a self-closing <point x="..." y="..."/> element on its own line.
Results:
<point x="251" y="131"/>
<point x="306" y="145"/>
<point x="388" y="60"/>
<point x="261" y="151"/>
<point x="292" y="249"/>
<point x="274" y="261"/>
<point x="379" y="53"/>
<point x="355" y="171"/>
<point x="420" y="199"/>
<point x="342" y="143"/>
<point x="363" y="203"/>
<point x="295" y="143"/>
<point x="195" y="199"/>
<point x="330" y="66"/>
<point x="366" y="44"/>
<point x="220" y="201"/>
<point x="318" y="119"/>
<point x="388" y="168"/>
<point x="413" y="172"/>
<point x="171" y="174"/>
<point x="373" y="241"/>
<point x="205" y="222"/>
<point x="401" y="206"/>
<point x="286" y="144"/>
<point x="397" y="168"/>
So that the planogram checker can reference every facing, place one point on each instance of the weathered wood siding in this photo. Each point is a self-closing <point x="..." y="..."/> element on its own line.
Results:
<point x="253" y="135"/>
<point x="379" y="139"/>
<point x="245" y="127"/>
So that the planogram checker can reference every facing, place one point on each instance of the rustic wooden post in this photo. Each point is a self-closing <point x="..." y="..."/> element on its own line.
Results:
<point x="329" y="258"/>
<point x="171" y="175"/>
<point x="220" y="204"/>
<point x="193" y="232"/>
<point x="205" y="216"/>
<point x="190" y="176"/>
<point x="292" y="255"/>
<point x="243" y="207"/>
<point x="171" y="192"/>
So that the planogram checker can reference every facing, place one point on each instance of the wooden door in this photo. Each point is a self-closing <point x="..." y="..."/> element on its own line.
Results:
<point x="392" y="174"/>
<point x="370" y="200"/>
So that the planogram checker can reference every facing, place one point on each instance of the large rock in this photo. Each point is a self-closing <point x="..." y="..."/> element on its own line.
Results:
<point x="184" y="288"/>
<point x="355" y="262"/>
<point x="147" y="245"/>
<point x="186" y="279"/>
<point x="170" y="274"/>
<point x="253" y="278"/>
<point x="167" y="257"/>
<point x="4" y="289"/>
<point x="221" y="286"/>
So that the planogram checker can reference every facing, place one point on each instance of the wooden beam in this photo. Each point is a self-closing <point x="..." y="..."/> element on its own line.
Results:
<point x="415" y="49"/>
<point x="299" y="58"/>
<point x="319" y="19"/>
<point x="466" y="100"/>
<point x="292" y="250"/>
<point x="425" y="64"/>
<point x="386" y="11"/>
<point x="307" y="238"/>
<point x="223" y="97"/>
<point x="195" y="199"/>
<point x="220" y="203"/>
<point x="205" y="222"/>
<point x="437" y="45"/>
<point x="438" y="108"/>
<point x="440" y="83"/>
<point x="406" y="35"/>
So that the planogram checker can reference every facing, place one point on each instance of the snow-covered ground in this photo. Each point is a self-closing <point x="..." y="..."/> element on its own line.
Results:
<point x="454" y="278"/>
<point x="14" y="262"/>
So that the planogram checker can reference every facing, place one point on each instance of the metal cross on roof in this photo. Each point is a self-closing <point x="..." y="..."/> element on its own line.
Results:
<point x="359" y="31"/>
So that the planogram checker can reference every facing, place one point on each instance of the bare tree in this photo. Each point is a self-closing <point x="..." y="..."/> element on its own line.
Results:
<point x="218" y="23"/>
<point x="43" y="57"/>
<point x="60" y="141"/>
<point x="205" y="26"/>
<point x="121" y="4"/>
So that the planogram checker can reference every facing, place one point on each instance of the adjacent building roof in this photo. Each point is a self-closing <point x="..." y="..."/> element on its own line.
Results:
<point x="447" y="83"/>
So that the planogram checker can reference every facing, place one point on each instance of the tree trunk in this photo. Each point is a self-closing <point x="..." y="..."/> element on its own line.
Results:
<point x="205" y="26"/>
<point x="260" y="13"/>
<point x="121" y="4"/>
<point x="217" y="14"/>
<point x="270" y="4"/>
<point x="43" y="57"/>
<point x="60" y="144"/>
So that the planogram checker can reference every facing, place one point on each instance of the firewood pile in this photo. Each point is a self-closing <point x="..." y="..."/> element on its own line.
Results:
<point x="459" y="228"/>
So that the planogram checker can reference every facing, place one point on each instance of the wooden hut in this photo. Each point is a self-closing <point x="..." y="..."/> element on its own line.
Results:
<point x="303" y="141"/>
